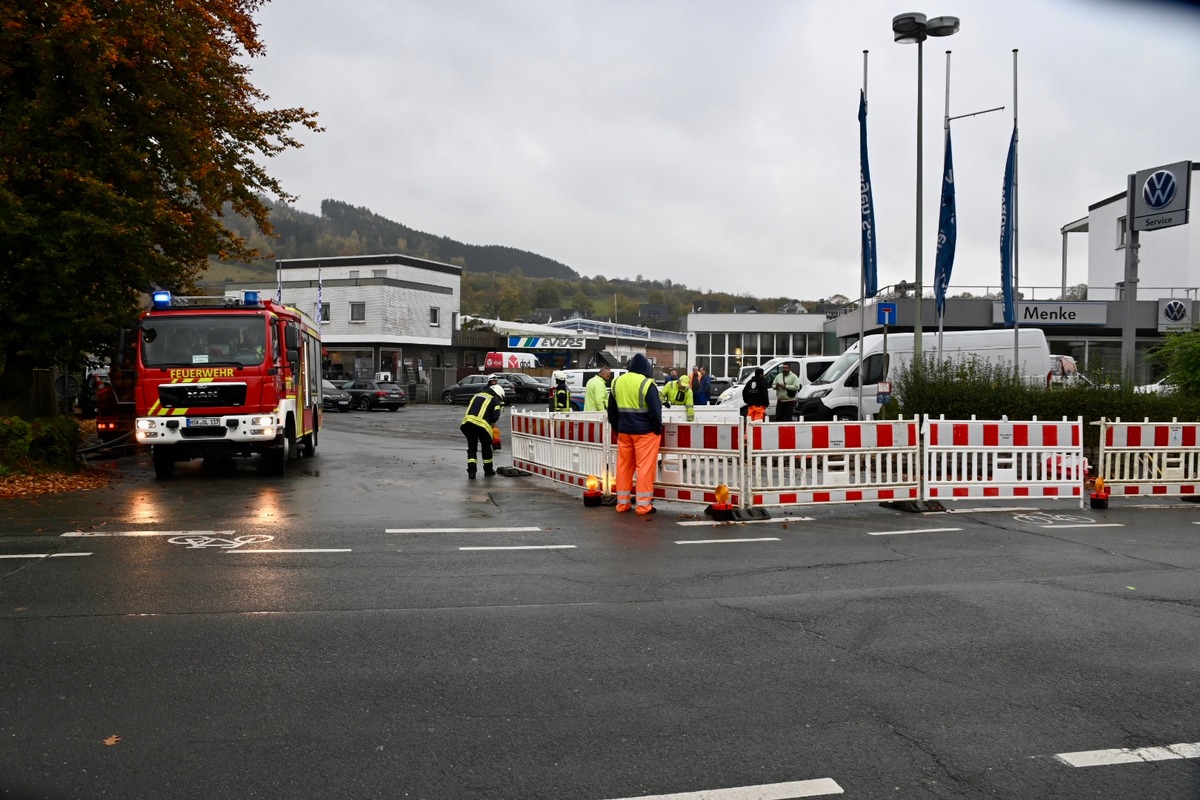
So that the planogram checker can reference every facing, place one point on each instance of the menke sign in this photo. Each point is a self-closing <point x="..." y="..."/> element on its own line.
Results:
<point x="547" y="342"/>
<point x="1049" y="312"/>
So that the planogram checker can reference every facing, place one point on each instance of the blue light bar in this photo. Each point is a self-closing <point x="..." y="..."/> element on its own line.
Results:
<point x="162" y="299"/>
<point x="250" y="299"/>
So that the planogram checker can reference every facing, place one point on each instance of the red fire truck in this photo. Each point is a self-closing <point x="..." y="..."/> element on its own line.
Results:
<point x="220" y="378"/>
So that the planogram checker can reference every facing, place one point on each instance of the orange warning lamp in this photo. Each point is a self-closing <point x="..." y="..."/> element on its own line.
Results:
<point x="722" y="509"/>
<point x="592" y="494"/>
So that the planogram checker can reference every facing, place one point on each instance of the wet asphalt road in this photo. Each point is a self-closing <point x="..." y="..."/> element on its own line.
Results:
<point x="363" y="651"/>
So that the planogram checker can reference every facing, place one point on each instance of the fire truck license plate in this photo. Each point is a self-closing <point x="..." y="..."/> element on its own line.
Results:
<point x="203" y="422"/>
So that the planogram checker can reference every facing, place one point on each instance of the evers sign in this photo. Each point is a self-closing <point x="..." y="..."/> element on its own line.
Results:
<point x="1052" y="312"/>
<point x="547" y="342"/>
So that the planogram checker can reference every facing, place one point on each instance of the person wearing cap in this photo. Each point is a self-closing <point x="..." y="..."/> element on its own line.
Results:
<point x="756" y="396"/>
<point x="595" y="393"/>
<point x="635" y="413"/>
<point x="679" y="392"/>
<point x="787" y="386"/>
<point x="560" y="395"/>
<point x="483" y="412"/>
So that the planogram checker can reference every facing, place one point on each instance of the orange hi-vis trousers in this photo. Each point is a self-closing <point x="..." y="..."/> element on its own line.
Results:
<point x="636" y="452"/>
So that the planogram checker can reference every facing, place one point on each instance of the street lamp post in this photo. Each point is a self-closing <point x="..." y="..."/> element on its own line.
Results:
<point x="914" y="28"/>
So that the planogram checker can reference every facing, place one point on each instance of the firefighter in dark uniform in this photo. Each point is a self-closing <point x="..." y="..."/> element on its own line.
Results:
<point x="483" y="412"/>
<point x="560" y="395"/>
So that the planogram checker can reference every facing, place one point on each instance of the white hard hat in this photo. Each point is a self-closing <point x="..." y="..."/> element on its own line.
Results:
<point x="559" y="375"/>
<point x="499" y="390"/>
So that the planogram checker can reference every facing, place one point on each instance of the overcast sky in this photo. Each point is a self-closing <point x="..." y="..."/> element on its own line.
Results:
<point x="715" y="142"/>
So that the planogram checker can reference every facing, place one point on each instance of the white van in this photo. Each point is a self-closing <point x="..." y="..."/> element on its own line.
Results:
<point x="807" y="368"/>
<point x="836" y="395"/>
<point x="577" y="380"/>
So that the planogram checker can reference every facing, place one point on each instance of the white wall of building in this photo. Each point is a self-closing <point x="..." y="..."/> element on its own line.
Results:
<point x="1167" y="259"/>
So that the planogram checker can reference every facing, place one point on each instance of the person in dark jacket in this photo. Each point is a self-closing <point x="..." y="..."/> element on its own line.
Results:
<point x="635" y="412"/>
<point x="483" y="412"/>
<point x="560" y="395"/>
<point x="756" y="396"/>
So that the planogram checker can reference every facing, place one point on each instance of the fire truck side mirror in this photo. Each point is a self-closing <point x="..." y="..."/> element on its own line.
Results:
<point x="291" y="340"/>
<point x="293" y="357"/>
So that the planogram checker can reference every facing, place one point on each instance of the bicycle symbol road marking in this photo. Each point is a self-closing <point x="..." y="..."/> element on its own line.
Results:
<point x="1051" y="519"/>
<point x="195" y="541"/>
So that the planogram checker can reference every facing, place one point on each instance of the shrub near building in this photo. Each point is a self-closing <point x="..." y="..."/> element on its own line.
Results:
<point x="987" y="392"/>
<point x="51" y="443"/>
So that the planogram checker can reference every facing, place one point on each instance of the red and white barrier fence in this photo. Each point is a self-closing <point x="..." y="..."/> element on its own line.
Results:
<point x="806" y="463"/>
<point x="565" y="448"/>
<point x="799" y="463"/>
<point x="991" y="460"/>
<point x="1150" y="458"/>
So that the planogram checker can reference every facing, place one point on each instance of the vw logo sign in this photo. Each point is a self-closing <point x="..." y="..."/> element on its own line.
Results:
<point x="1159" y="189"/>
<point x="1175" y="311"/>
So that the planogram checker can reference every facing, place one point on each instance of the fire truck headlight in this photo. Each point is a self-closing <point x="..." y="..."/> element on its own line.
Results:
<point x="146" y="424"/>
<point x="262" y="421"/>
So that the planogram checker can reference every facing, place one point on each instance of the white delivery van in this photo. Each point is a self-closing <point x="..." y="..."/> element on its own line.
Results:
<point x="807" y="368"/>
<point x="512" y="362"/>
<point x="577" y="380"/>
<point x="835" y="395"/>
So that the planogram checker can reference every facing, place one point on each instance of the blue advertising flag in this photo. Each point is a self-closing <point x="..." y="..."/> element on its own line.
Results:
<point x="870" y="273"/>
<point x="1006" y="232"/>
<point x="947" y="234"/>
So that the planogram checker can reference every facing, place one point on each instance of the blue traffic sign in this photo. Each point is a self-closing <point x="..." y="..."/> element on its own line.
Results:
<point x="885" y="314"/>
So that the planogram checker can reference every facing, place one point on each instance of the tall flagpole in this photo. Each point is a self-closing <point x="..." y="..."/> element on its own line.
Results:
<point x="1015" y="249"/>
<point x="945" y="146"/>
<point x="862" y="281"/>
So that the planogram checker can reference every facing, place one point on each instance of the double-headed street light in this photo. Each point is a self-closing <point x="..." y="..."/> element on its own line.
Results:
<point x="910" y="28"/>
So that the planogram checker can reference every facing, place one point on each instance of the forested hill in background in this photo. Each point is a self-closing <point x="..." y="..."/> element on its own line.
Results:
<point x="346" y="230"/>
<point x="498" y="282"/>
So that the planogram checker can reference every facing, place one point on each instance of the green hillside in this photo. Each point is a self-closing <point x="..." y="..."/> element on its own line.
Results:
<point x="498" y="281"/>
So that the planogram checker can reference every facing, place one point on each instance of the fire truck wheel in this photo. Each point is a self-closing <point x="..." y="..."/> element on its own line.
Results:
<point x="164" y="465"/>
<point x="289" y="435"/>
<point x="308" y="445"/>
<point x="277" y="456"/>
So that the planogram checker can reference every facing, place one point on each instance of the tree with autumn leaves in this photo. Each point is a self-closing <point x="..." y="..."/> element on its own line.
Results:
<point x="126" y="126"/>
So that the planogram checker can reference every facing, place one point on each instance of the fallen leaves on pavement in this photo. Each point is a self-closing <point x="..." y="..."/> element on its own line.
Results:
<point x="22" y="485"/>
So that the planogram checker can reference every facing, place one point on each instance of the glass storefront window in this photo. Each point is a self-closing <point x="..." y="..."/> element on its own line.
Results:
<point x="343" y="365"/>
<point x="749" y="345"/>
<point x="702" y="344"/>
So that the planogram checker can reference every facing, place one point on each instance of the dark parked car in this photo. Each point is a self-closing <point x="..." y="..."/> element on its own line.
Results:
<point x="464" y="390"/>
<point x="333" y="397"/>
<point x="529" y="389"/>
<point x="369" y="395"/>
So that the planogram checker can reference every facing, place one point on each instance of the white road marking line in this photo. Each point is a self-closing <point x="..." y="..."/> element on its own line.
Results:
<point x="526" y="547"/>
<point x="913" y="530"/>
<point x="765" y="791"/>
<point x="90" y="534"/>
<point x="1089" y="525"/>
<point x="526" y="529"/>
<point x="981" y="510"/>
<point x="47" y="555"/>
<point x="727" y="541"/>
<point x="269" y="550"/>
<point x="1125" y="755"/>
<point x="694" y="522"/>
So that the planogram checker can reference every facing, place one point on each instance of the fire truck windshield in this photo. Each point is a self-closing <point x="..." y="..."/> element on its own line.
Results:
<point x="184" y="340"/>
